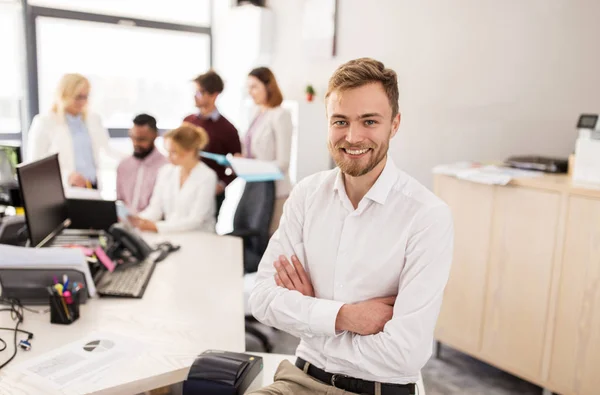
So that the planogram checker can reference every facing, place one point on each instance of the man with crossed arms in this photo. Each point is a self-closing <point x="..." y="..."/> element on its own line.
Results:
<point x="358" y="266"/>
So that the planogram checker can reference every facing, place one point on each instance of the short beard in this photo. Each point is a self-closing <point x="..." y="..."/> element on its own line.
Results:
<point x="353" y="168"/>
<point x="143" y="155"/>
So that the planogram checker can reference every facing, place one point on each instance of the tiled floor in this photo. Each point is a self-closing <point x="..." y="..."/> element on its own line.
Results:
<point x="453" y="374"/>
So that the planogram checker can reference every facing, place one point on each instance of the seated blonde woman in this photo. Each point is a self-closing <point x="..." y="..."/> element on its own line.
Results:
<point x="184" y="193"/>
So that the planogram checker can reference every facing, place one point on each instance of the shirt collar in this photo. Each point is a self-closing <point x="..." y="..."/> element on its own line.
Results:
<point x="72" y="118"/>
<point x="151" y="156"/>
<point x="382" y="187"/>
<point x="385" y="182"/>
<point x="213" y="116"/>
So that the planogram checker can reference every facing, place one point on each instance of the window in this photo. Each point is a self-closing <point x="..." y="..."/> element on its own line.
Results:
<point x="131" y="69"/>
<point x="11" y="66"/>
<point x="189" y="12"/>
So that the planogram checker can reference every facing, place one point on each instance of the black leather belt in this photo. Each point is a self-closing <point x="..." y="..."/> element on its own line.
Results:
<point x="352" y="384"/>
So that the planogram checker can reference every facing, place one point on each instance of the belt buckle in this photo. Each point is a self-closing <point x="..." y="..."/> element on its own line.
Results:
<point x="334" y="377"/>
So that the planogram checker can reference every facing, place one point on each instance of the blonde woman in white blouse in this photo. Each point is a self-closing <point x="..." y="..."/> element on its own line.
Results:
<point x="184" y="193"/>
<point x="73" y="132"/>
<point x="269" y="137"/>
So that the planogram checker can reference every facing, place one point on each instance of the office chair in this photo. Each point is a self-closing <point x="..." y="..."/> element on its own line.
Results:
<point x="251" y="222"/>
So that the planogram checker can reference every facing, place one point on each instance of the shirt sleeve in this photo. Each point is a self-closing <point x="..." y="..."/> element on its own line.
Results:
<point x="290" y="311"/>
<point x="154" y="211"/>
<point x="234" y="147"/>
<point x="197" y="211"/>
<point x="38" y="143"/>
<point x="283" y="136"/>
<point x="120" y="186"/>
<point x="405" y="344"/>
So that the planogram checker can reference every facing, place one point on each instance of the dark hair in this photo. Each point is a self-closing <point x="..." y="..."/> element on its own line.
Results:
<point x="146" y="120"/>
<point x="363" y="71"/>
<point x="266" y="76"/>
<point x="210" y="81"/>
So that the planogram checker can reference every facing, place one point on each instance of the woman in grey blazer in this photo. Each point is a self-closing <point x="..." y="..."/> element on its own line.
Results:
<point x="269" y="136"/>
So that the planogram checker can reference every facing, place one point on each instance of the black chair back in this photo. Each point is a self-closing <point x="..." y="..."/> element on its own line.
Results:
<point x="252" y="221"/>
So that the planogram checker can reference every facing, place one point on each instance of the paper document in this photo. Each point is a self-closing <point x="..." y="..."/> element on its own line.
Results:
<point x="82" y="363"/>
<point x="220" y="159"/>
<point x="82" y="193"/>
<point x="47" y="258"/>
<point x="253" y="170"/>
<point x="491" y="175"/>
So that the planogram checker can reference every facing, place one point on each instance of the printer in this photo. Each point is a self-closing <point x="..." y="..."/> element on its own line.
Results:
<point x="586" y="168"/>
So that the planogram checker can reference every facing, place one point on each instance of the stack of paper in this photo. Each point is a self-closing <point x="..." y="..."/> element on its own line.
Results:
<point x="491" y="175"/>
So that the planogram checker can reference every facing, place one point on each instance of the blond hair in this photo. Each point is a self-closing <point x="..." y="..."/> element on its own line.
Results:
<point x="363" y="71"/>
<point x="189" y="136"/>
<point x="69" y="87"/>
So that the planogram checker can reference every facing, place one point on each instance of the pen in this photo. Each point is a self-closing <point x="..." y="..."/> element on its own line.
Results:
<point x="65" y="282"/>
<point x="55" y="279"/>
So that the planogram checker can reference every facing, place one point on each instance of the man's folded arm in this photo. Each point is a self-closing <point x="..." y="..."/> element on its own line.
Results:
<point x="290" y="311"/>
<point x="406" y="342"/>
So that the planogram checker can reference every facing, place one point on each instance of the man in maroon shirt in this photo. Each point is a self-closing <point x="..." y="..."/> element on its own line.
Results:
<point x="223" y="136"/>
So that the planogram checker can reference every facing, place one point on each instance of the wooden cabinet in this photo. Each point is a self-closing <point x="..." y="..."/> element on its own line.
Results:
<point x="520" y="268"/>
<point x="524" y="289"/>
<point x="575" y="358"/>
<point x="461" y="318"/>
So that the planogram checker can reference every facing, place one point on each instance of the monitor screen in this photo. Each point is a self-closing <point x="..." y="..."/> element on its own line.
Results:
<point x="43" y="198"/>
<point x="10" y="157"/>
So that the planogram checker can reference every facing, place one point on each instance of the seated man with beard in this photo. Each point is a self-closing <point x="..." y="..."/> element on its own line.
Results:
<point x="358" y="266"/>
<point x="136" y="175"/>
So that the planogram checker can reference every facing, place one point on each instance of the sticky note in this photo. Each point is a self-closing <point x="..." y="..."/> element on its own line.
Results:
<point x="104" y="259"/>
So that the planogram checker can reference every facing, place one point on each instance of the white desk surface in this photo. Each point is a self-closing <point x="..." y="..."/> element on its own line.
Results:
<point x="194" y="302"/>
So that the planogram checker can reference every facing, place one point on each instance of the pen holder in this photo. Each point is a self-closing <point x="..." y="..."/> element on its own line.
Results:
<point x="63" y="313"/>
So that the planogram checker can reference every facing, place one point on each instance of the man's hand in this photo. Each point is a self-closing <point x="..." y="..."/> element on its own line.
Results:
<point x="292" y="276"/>
<point x="77" y="180"/>
<point x="365" y="318"/>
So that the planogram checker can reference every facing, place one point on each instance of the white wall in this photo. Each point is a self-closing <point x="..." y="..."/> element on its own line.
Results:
<point x="479" y="79"/>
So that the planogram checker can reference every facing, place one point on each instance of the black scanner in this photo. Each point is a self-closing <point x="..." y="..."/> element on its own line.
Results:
<point x="222" y="373"/>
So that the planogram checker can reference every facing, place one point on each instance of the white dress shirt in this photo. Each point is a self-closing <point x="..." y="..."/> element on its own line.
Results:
<point x="189" y="207"/>
<point x="397" y="242"/>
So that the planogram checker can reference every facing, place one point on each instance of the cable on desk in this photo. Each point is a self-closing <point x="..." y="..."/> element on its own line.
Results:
<point x="16" y="314"/>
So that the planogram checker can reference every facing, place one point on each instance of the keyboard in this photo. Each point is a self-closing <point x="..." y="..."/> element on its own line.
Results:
<point x="127" y="282"/>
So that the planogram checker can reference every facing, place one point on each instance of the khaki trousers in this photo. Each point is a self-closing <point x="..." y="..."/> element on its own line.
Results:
<point x="291" y="380"/>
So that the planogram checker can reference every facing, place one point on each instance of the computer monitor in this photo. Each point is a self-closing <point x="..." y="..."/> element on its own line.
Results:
<point x="10" y="157"/>
<point x="44" y="199"/>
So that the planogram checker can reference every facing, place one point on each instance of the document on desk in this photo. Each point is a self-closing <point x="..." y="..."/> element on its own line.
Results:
<point x="490" y="174"/>
<point x="82" y="193"/>
<point x="253" y="170"/>
<point x="82" y="364"/>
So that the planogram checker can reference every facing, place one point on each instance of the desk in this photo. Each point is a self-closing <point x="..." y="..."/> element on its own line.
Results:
<point x="193" y="302"/>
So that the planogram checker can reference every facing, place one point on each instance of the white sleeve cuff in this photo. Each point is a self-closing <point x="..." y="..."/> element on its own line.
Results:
<point x="323" y="315"/>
